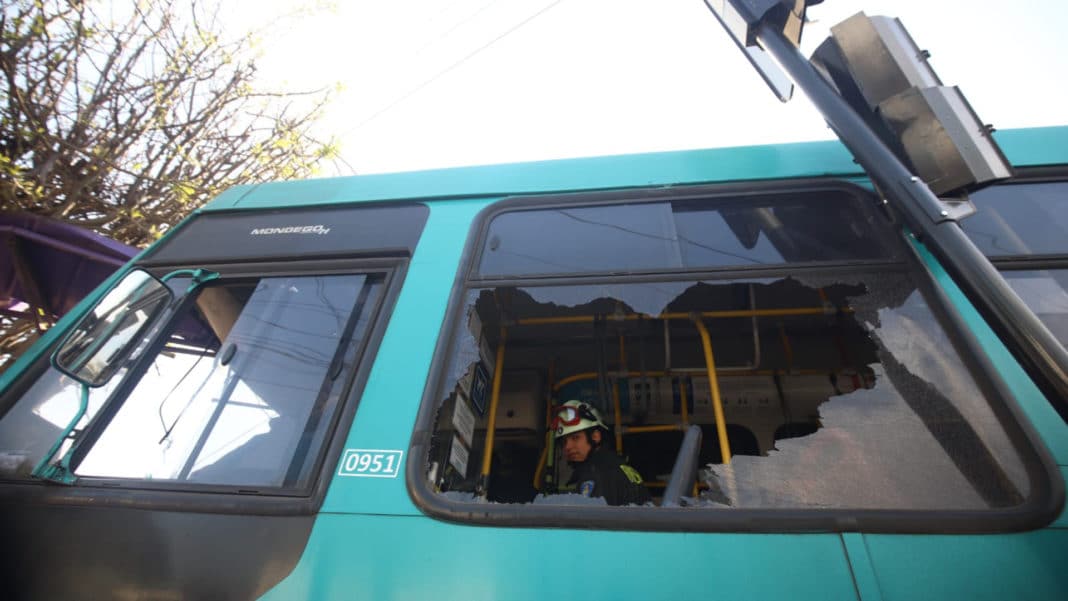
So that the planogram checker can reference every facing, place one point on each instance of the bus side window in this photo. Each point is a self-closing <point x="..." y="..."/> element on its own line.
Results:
<point x="831" y="384"/>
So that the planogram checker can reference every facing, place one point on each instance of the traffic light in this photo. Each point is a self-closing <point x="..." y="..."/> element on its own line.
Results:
<point x="879" y="70"/>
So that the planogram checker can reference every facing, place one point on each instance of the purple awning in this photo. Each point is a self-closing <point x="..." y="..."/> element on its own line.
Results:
<point x="51" y="264"/>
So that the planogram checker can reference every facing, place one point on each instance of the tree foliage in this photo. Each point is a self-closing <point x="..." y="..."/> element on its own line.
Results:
<point x="126" y="123"/>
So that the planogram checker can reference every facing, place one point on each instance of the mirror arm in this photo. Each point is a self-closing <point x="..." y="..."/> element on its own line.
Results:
<point x="199" y="277"/>
<point x="60" y="472"/>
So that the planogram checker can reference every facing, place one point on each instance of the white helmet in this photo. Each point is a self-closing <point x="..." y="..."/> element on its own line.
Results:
<point x="575" y="416"/>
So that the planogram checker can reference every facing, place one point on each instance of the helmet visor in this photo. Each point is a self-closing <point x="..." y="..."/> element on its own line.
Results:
<point x="566" y="416"/>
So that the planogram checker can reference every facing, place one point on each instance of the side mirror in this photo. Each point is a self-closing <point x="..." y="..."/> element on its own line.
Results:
<point x="105" y="336"/>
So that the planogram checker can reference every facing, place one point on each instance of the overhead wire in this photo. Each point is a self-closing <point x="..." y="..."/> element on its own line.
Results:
<point x="451" y="67"/>
<point x="461" y="23"/>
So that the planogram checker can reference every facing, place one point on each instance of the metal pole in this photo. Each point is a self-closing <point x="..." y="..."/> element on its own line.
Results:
<point x="924" y="213"/>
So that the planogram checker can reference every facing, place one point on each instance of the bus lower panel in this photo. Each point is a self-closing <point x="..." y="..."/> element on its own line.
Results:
<point x="70" y="552"/>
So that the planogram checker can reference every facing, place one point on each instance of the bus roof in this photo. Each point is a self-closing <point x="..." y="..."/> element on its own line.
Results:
<point x="1023" y="147"/>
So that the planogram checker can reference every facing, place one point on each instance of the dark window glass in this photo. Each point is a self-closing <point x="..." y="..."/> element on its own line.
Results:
<point x="1026" y="220"/>
<point x="629" y="238"/>
<point x="1020" y="219"/>
<point x="1046" y="293"/>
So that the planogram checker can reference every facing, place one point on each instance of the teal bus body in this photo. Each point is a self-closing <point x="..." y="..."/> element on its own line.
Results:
<point x="496" y="563"/>
<point x="371" y="539"/>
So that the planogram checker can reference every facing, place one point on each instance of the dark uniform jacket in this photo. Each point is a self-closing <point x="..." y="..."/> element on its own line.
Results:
<point x="604" y="474"/>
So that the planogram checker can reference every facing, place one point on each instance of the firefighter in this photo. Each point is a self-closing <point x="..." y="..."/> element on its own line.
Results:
<point x="598" y="471"/>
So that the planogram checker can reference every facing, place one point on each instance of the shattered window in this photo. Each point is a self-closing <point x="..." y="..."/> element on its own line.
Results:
<point x="829" y="385"/>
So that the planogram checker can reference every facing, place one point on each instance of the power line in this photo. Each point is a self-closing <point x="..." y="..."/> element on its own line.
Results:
<point x="462" y="22"/>
<point x="446" y="70"/>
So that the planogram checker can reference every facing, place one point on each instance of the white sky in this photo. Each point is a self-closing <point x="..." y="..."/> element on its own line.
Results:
<point x="442" y="83"/>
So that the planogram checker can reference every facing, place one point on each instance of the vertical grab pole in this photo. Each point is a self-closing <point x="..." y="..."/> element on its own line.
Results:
<point x="717" y="404"/>
<point x="786" y="347"/>
<point x="491" y="424"/>
<point x="543" y="473"/>
<point x="618" y="421"/>
<point x="615" y="396"/>
<point x="549" y="394"/>
<point x="684" y="399"/>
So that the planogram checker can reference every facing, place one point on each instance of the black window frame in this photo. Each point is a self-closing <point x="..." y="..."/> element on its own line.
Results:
<point x="1046" y="486"/>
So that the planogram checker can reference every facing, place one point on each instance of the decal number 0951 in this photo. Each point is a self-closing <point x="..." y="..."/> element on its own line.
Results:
<point x="370" y="463"/>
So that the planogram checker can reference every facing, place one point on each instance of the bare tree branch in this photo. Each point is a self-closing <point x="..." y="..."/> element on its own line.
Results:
<point x="126" y="127"/>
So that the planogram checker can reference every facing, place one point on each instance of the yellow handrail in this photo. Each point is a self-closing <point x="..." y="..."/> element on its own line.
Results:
<point x="534" y="321"/>
<point x="717" y="404"/>
<point x="586" y="375"/>
<point x="549" y="395"/>
<point x="787" y="348"/>
<point x="495" y="397"/>
<point x="685" y="403"/>
<point x="590" y="375"/>
<point x="615" y="399"/>
<point x="543" y="461"/>
<point x="656" y="428"/>
<point x="618" y="421"/>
